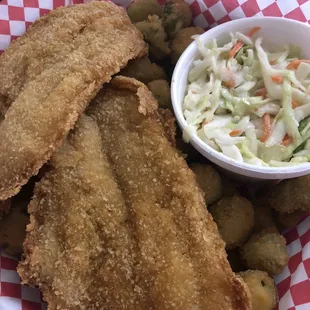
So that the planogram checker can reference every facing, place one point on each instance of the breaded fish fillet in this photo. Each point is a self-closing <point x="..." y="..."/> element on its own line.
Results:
<point x="79" y="249"/>
<point x="120" y="222"/>
<point x="48" y="76"/>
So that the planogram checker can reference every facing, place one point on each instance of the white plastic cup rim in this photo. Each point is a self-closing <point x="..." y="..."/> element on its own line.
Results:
<point x="276" y="31"/>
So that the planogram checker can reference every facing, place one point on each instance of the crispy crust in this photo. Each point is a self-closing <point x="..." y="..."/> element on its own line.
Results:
<point x="147" y="103"/>
<point x="120" y="222"/>
<point x="168" y="121"/>
<point x="49" y="76"/>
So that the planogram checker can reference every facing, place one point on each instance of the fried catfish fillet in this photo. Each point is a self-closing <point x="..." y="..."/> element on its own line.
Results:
<point x="78" y="249"/>
<point x="120" y="223"/>
<point x="49" y="75"/>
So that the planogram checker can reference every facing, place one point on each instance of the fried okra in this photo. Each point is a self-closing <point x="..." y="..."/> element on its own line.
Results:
<point x="143" y="70"/>
<point x="161" y="91"/>
<point x="209" y="181"/>
<point x="140" y="10"/>
<point x="262" y="289"/>
<point x="181" y="41"/>
<point x="266" y="250"/>
<point x="154" y="34"/>
<point x="290" y="195"/>
<point x="289" y="220"/>
<point x="177" y="15"/>
<point x="234" y="217"/>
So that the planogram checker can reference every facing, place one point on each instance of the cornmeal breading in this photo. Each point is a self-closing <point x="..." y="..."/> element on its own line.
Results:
<point x="120" y="223"/>
<point x="49" y="75"/>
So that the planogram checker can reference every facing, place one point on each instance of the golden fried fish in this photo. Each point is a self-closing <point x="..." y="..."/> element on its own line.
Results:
<point x="49" y="75"/>
<point x="120" y="222"/>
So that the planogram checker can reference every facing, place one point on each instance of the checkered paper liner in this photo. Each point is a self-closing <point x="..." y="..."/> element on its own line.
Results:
<point x="293" y="283"/>
<point x="17" y="15"/>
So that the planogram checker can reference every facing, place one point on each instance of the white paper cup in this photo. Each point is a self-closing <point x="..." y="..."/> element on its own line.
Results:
<point x="276" y="32"/>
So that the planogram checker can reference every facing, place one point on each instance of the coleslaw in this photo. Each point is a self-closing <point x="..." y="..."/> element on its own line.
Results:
<point x="251" y="104"/>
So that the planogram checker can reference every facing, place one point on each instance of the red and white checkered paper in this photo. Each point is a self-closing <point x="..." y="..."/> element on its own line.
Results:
<point x="294" y="282"/>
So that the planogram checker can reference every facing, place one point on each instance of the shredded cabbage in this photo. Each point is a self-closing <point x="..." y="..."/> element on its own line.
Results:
<point x="302" y="72"/>
<point x="291" y="123"/>
<point x="251" y="104"/>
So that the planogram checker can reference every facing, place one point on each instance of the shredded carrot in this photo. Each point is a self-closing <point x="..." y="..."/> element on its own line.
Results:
<point x="235" y="133"/>
<point x="272" y="62"/>
<point x="204" y="122"/>
<point x="229" y="84"/>
<point x="294" y="104"/>
<point x="277" y="79"/>
<point x="293" y="65"/>
<point x="287" y="140"/>
<point x="253" y="31"/>
<point x="261" y="92"/>
<point x="235" y="49"/>
<point x="267" y="127"/>
<point x="239" y="44"/>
